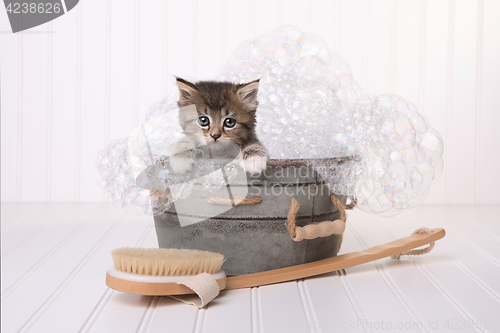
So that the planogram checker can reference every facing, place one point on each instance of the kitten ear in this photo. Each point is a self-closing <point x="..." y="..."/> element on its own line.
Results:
<point x="186" y="89"/>
<point x="247" y="93"/>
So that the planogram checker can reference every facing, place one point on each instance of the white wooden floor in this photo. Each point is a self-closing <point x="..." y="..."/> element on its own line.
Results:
<point x="55" y="256"/>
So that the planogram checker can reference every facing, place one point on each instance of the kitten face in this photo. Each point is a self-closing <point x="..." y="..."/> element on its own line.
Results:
<point x="225" y="112"/>
<point x="218" y="118"/>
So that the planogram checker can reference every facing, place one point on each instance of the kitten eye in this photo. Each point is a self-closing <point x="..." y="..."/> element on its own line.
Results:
<point x="203" y="121"/>
<point x="230" y="122"/>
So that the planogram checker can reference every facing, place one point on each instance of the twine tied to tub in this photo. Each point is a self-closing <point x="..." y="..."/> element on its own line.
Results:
<point x="315" y="230"/>
<point x="238" y="200"/>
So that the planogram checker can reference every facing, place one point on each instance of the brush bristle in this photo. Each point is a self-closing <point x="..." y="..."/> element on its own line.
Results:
<point x="168" y="262"/>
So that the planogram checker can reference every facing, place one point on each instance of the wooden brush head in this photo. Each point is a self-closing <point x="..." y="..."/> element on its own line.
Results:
<point x="169" y="262"/>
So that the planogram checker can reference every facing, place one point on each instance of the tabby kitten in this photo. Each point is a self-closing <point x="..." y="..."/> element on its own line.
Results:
<point x="216" y="118"/>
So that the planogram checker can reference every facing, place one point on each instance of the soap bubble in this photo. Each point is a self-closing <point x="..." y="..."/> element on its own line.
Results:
<point x="311" y="107"/>
<point x="376" y="149"/>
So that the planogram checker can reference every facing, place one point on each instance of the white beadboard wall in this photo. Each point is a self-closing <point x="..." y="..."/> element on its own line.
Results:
<point x="71" y="86"/>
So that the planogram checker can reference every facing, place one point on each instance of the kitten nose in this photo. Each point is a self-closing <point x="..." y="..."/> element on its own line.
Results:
<point x="215" y="136"/>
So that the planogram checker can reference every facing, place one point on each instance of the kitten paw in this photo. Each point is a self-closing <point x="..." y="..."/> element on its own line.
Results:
<point x="181" y="165"/>
<point x="254" y="164"/>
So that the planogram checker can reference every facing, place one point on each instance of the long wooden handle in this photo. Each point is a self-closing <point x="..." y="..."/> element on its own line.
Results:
<point x="334" y="263"/>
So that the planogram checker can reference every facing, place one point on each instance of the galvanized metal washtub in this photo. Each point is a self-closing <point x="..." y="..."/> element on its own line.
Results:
<point x="254" y="237"/>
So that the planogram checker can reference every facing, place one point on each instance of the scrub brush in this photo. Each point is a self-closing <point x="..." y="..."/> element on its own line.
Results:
<point x="131" y="265"/>
<point x="157" y="271"/>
